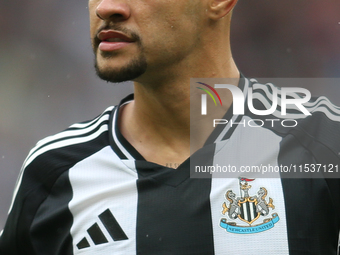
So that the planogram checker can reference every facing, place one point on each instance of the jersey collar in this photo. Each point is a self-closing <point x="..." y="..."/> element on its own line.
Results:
<point x="126" y="151"/>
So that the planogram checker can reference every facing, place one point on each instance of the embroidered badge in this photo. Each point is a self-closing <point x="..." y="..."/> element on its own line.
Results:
<point x="248" y="209"/>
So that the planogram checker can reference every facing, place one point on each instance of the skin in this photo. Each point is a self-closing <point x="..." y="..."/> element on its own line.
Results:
<point x="173" y="41"/>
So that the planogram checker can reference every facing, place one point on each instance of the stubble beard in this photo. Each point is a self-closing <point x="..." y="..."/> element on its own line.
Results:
<point x="135" y="68"/>
<point x="132" y="70"/>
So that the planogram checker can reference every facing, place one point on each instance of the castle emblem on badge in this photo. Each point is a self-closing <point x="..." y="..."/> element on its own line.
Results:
<point x="248" y="209"/>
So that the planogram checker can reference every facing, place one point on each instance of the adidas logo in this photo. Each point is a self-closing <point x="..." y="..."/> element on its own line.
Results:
<point x="96" y="234"/>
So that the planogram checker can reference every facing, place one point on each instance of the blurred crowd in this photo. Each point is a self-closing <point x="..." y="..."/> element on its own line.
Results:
<point x="47" y="80"/>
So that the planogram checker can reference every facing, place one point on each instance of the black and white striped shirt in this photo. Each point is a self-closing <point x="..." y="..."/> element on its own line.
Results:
<point x="86" y="190"/>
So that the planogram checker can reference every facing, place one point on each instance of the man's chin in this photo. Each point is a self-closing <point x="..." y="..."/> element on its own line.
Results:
<point x="131" y="71"/>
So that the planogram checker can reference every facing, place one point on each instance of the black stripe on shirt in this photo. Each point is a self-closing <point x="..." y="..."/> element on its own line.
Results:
<point x="174" y="213"/>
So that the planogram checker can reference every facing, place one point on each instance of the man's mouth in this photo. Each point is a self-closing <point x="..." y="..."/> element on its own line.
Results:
<point x="110" y="40"/>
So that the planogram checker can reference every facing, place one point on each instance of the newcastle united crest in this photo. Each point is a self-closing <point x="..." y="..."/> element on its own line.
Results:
<point x="249" y="210"/>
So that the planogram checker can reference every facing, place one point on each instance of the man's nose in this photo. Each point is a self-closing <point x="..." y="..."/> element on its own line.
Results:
<point x="113" y="10"/>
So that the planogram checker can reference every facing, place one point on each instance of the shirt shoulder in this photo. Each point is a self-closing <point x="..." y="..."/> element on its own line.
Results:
<point x="55" y="154"/>
<point x="317" y="117"/>
<point x="75" y="135"/>
<point x="46" y="169"/>
<point x="308" y="126"/>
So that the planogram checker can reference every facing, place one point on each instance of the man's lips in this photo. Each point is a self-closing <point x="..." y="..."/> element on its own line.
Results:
<point x="110" y="40"/>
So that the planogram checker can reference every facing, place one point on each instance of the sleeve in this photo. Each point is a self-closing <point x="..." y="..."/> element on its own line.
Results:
<point x="15" y="237"/>
<point x="40" y="205"/>
<point x="39" y="220"/>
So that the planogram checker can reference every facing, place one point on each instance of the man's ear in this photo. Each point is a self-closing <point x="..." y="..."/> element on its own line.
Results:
<point x="220" y="8"/>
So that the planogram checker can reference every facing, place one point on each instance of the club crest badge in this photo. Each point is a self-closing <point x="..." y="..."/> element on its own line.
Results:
<point x="248" y="210"/>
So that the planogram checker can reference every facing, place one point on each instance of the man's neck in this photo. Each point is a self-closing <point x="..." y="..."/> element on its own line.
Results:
<point x="157" y="123"/>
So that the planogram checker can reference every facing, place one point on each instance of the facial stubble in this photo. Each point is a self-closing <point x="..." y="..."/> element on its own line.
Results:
<point x="132" y="70"/>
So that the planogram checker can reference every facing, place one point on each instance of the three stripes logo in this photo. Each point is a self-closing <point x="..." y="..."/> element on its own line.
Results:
<point x="96" y="234"/>
<point x="204" y="97"/>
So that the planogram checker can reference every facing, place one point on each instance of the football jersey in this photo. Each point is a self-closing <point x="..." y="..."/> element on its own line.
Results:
<point x="87" y="190"/>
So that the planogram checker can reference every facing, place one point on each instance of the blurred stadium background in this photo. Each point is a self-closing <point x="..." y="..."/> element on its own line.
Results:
<point x="47" y="80"/>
